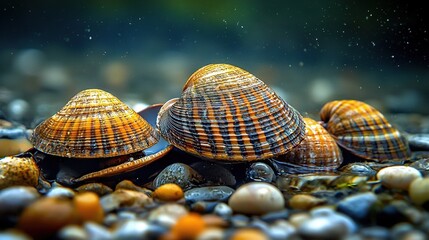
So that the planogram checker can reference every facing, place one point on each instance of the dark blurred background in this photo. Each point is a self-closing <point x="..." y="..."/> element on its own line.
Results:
<point x="310" y="52"/>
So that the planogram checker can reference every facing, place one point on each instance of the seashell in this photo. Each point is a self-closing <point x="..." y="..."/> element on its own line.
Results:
<point x="364" y="131"/>
<point x="226" y="113"/>
<point x="95" y="124"/>
<point x="317" y="152"/>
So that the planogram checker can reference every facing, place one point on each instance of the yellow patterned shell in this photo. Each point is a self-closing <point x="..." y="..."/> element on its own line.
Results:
<point x="318" y="150"/>
<point x="226" y="113"/>
<point x="364" y="131"/>
<point x="94" y="124"/>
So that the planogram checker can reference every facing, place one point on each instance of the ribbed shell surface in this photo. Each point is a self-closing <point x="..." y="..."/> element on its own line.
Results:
<point x="226" y="113"/>
<point x="94" y="124"/>
<point x="364" y="131"/>
<point x="317" y="150"/>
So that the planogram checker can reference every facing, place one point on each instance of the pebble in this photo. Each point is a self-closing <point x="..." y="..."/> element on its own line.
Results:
<point x="60" y="191"/>
<point x="72" y="232"/>
<point x="97" y="231"/>
<point x="168" y="192"/>
<point x="304" y="202"/>
<point x="123" y="197"/>
<point x="167" y="214"/>
<point x="260" y="172"/>
<point x="358" y="206"/>
<point x="351" y="226"/>
<point x="188" y="226"/>
<point x="88" y="207"/>
<point x="223" y="210"/>
<point x="419" y="190"/>
<point x="14" y="199"/>
<point x="248" y="233"/>
<point x="180" y="174"/>
<point x="323" y="227"/>
<point x="398" y="177"/>
<point x="214" y="193"/>
<point x="16" y="171"/>
<point x="256" y="198"/>
<point x="212" y="234"/>
<point x="44" y="217"/>
<point x="282" y="230"/>
<point x="132" y="229"/>
<point x="129" y="185"/>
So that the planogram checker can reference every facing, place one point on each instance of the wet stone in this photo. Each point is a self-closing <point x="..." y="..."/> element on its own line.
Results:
<point x="214" y="193"/>
<point x="14" y="199"/>
<point x="223" y="210"/>
<point x="398" y="177"/>
<point x="260" y="172"/>
<point x="61" y="192"/>
<point x="180" y="174"/>
<point x="358" y="206"/>
<point x="256" y="198"/>
<point x="322" y="227"/>
<point x="358" y="169"/>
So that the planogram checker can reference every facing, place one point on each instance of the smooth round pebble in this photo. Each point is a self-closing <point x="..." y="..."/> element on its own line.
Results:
<point x="88" y="207"/>
<point x="419" y="190"/>
<point x="97" y="231"/>
<point x="188" y="226"/>
<point x="14" y="199"/>
<point x="46" y="216"/>
<point x="223" y="210"/>
<point x="256" y="198"/>
<point x="60" y="191"/>
<point x="98" y="188"/>
<point x="168" y="192"/>
<point x="398" y="177"/>
<point x="322" y="227"/>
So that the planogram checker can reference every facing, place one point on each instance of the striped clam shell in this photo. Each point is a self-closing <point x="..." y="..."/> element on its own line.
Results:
<point x="364" y="131"/>
<point x="318" y="151"/>
<point x="226" y="113"/>
<point x="94" y="124"/>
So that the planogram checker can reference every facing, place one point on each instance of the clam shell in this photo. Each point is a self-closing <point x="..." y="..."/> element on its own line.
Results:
<point x="364" y="131"/>
<point x="94" y="124"/>
<point x="226" y="113"/>
<point x="318" y="150"/>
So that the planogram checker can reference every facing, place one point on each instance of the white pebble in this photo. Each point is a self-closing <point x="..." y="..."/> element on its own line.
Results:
<point x="256" y="198"/>
<point x="398" y="177"/>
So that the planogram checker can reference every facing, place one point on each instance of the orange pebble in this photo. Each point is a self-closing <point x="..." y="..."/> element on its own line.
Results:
<point x="248" y="233"/>
<point x="88" y="207"/>
<point x="168" y="192"/>
<point x="189" y="226"/>
<point x="43" y="218"/>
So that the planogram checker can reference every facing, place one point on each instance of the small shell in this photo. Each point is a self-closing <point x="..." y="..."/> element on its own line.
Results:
<point x="318" y="150"/>
<point x="364" y="131"/>
<point x="94" y="124"/>
<point x="226" y="113"/>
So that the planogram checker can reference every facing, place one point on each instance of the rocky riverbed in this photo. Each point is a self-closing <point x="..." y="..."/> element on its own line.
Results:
<point x="183" y="197"/>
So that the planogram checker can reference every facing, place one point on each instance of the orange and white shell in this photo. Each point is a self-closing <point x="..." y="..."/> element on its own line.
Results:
<point x="318" y="151"/>
<point x="364" y="131"/>
<point x="94" y="124"/>
<point x="226" y="113"/>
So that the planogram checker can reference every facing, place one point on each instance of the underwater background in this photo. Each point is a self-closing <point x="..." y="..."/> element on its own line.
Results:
<point x="310" y="52"/>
